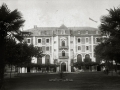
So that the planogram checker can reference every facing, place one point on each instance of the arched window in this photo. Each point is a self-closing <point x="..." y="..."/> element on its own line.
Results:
<point x="63" y="43"/>
<point x="63" y="53"/>
<point x="79" y="58"/>
<point x="87" y="58"/>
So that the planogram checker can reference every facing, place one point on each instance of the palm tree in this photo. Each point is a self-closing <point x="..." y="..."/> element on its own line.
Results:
<point x="10" y="23"/>
<point x="110" y="26"/>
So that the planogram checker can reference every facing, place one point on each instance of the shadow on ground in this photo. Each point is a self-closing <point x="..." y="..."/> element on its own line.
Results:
<point x="81" y="81"/>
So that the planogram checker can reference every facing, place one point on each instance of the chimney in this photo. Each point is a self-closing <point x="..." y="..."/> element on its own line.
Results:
<point x="35" y="26"/>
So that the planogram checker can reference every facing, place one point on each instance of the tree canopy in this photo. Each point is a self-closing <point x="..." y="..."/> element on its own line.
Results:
<point x="20" y="53"/>
<point x="10" y="23"/>
<point x="109" y="48"/>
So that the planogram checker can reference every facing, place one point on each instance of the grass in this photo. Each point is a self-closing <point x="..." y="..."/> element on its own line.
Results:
<point x="81" y="81"/>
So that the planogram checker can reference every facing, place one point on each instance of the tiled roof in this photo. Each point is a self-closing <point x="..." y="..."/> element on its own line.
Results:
<point x="55" y="28"/>
<point x="49" y="31"/>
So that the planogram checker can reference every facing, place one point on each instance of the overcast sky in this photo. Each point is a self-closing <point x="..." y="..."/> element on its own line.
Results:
<point x="53" y="13"/>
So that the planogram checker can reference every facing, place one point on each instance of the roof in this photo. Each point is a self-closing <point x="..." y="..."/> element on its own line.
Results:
<point x="46" y="31"/>
<point x="62" y="27"/>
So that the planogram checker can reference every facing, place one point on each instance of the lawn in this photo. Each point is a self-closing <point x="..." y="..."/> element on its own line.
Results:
<point x="81" y="81"/>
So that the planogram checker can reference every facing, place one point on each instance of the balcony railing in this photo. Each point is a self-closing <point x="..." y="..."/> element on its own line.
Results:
<point x="63" y="57"/>
<point x="63" y="47"/>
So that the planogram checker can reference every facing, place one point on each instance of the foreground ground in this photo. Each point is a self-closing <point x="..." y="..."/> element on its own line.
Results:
<point x="81" y="81"/>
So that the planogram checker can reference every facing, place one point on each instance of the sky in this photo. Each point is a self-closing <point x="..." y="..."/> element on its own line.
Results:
<point x="54" y="13"/>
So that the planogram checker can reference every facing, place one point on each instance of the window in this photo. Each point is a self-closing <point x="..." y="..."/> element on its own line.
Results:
<point x="87" y="47"/>
<point x="98" y="40"/>
<point x="78" y="32"/>
<point x="71" y="41"/>
<point x="45" y="32"/>
<point x="28" y="40"/>
<point x="86" y="32"/>
<point x="71" y="49"/>
<point x="63" y="53"/>
<point x="79" y="48"/>
<point x="39" y="40"/>
<point x="54" y="49"/>
<point x="63" y="32"/>
<point x="47" y="40"/>
<point x="54" y="41"/>
<point x="87" y="40"/>
<point x="63" y="43"/>
<point x="96" y="32"/>
<point x="47" y="48"/>
<point x="39" y="32"/>
<point x="39" y="48"/>
<point x="78" y="40"/>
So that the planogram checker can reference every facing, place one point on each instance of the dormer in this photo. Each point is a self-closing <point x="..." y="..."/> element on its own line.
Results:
<point x="86" y="31"/>
<point x="62" y="27"/>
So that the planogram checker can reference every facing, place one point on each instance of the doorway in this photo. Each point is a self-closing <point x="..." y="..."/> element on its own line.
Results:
<point x="63" y="67"/>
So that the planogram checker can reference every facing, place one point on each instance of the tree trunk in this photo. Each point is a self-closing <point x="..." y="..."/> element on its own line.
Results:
<point x="1" y="74"/>
<point x="2" y="62"/>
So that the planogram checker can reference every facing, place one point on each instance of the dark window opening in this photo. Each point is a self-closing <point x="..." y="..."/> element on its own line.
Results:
<point x="28" y="40"/>
<point x="79" y="48"/>
<point x="39" y="40"/>
<point x="79" y="40"/>
<point x="63" y="43"/>
<point x="63" y="53"/>
<point x="47" y="40"/>
<point x="98" y="40"/>
<point x="87" y="48"/>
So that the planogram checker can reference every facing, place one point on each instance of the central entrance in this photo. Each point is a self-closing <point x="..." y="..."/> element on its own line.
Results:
<point x="63" y="67"/>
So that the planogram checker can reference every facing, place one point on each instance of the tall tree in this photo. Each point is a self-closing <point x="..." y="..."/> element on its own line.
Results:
<point x="10" y="23"/>
<point x="109" y="49"/>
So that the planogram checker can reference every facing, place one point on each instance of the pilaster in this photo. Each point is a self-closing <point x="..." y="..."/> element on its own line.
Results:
<point x="69" y="61"/>
<point x="74" y="47"/>
<point x="52" y="61"/>
<point x="34" y="40"/>
<point x="92" y="49"/>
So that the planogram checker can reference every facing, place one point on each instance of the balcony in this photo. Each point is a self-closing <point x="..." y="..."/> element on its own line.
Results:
<point x="63" y="47"/>
<point x="63" y="57"/>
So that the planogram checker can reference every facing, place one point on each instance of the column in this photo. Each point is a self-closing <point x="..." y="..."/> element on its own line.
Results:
<point x="92" y="48"/>
<point x="57" y="48"/>
<point x="69" y="60"/>
<point x="74" y="47"/>
<point x="52" y="46"/>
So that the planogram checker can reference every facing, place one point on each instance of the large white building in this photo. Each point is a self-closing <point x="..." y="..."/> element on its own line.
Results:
<point x="63" y="45"/>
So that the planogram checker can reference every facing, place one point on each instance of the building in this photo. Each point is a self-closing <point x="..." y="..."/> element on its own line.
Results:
<point x="63" y="45"/>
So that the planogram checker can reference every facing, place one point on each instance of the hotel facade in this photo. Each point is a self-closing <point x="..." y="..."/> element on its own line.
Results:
<point x="63" y="45"/>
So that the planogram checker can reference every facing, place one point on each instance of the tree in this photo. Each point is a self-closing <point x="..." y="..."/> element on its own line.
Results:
<point x="26" y="52"/>
<point x="20" y="54"/>
<point x="10" y="53"/>
<point x="109" y="49"/>
<point x="10" y="22"/>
